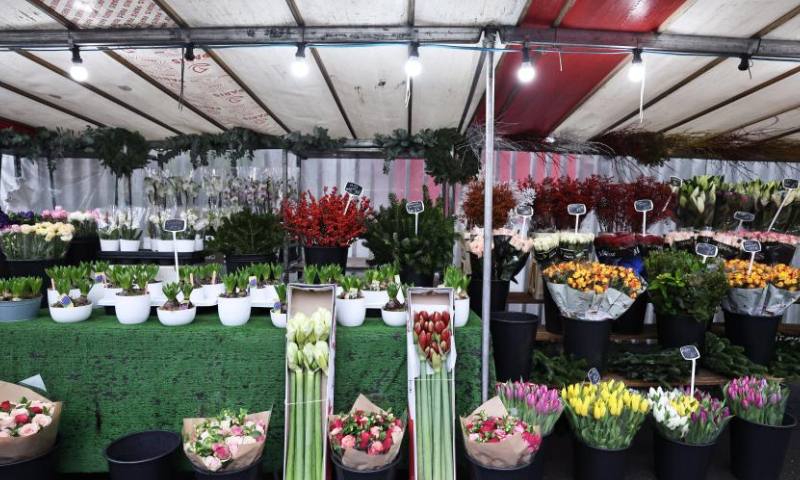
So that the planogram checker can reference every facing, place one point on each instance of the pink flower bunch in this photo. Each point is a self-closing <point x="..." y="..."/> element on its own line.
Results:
<point x="486" y="429"/>
<point x="772" y="237"/>
<point x="370" y="432"/>
<point x="219" y="440"/>
<point x="534" y="404"/>
<point x="56" y="215"/>
<point x="24" y="418"/>
<point x="758" y="400"/>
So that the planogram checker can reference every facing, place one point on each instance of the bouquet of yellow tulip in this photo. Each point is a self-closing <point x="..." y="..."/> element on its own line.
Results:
<point x="762" y="290"/>
<point x="606" y="415"/>
<point x="592" y="290"/>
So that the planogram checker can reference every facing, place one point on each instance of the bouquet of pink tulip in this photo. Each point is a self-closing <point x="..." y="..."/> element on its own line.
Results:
<point x="231" y="440"/>
<point x="533" y="404"/>
<point x="757" y="400"/>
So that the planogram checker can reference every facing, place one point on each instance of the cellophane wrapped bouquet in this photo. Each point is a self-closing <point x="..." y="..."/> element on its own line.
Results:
<point x="591" y="290"/>
<point x="230" y="441"/>
<point x="367" y="438"/>
<point x="493" y="438"/>
<point x="28" y="423"/>
<point x="762" y="291"/>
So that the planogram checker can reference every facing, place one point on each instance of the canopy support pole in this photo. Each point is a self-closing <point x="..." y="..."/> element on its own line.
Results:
<point x="285" y="191"/>
<point x="488" y="185"/>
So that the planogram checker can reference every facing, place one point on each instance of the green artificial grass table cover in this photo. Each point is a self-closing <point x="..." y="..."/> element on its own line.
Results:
<point x="118" y="379"/>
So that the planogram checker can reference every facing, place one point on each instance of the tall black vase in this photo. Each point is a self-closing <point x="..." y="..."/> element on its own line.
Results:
<point x="321" y="256"/>
<point x="632" y="321"/>
<point x="513" y="340"/>
<point x="678" y="460"/>
<point x="553" y="321"/>
<point x="498" y="298"/>
<point x="675" y="331"/>
<point x="758" y="451"/>
<point x="755" y="334"/>
<point x="589" y="340"/>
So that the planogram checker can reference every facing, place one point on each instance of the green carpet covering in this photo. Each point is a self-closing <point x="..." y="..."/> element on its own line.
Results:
<point x="117" y="379"/>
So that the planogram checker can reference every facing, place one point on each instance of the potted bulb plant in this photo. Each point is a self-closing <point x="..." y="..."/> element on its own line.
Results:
<point x="329" y="273"/>
<point x="190" y="275"/>
<point x="278" y="312"/>
<point x="246" y="238"/>
<point x="69" y="308"/>
<point x="176" y="312"/>
<point x="20" y="298"/>
<point x="132" y="303"/>
<point x="130" y="237"/>
<point x="454" y="278"/>
<point x="109" y="236"/>
<point x="351" y="308"/>
<point x="259" y="274"/>
<point x="394" y="311"/>
<point x="211" y="280"/>
<point x="235" y="304"/>
<point x="57" y="273"/>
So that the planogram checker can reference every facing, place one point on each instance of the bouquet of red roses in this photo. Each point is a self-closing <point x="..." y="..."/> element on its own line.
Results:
<point x="28" y="423"/>
<point x="495" y="439"/>
<point x="367" y="438"/>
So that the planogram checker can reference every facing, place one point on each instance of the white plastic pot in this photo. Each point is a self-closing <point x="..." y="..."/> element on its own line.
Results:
<point x="272" y="294"/>
<point x="375" y="299"/>
<point x="184" y="246"/>
<point x="132" y="309"/>
<point x="96" y="294"/>
<point x="212" y="292"/>
<point x="165" y="246"/>
<point x="71" y="315"/>
<point x="394" y="319"/>
<point x="109" y="245"/>
<point x="156" y="289"/>
<point x="176" y="318"/>
<point x="278" y="319"/>
<point x="199" y="244"/>
<point x="259" y="295"/>
<point x="350" y="313"/>
<point x="147" y="243"/>
<point x="461" y="312"/>
<point x="234" y="312"/>
<point x="129" y="245"/>
<point x="52" y="295"/>
<point x="110" y="293"/>
<point x="197" y="295"/>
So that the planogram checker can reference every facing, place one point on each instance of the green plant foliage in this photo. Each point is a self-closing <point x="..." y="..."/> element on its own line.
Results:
<point x="557" y="371"/>
<point x="118" y="149"/>
<point x="246" y="232"/>
<point x="729" y="360"/>
<point x="664" y="367"/>
<point x="786" y="359"/>
<point x="391" y="236"/>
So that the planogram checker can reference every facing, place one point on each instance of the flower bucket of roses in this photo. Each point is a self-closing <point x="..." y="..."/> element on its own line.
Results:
<point x="499" y="445"/>
<point x="28" y="427"/>
<point x="365" y="442"/>
<point x="228" y="443"/>
<point x="510" y="253"/>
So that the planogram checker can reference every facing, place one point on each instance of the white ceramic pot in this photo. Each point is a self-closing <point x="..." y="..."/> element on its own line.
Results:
<point x="176" y="318"/>
<point x="461" y="312"/>
<point x="132" y="309"/>
<point x="212" y="292"/>
<point x="259" y="295"/>
<point x="199" y="244"/>
<point x="272" y="294"/>
<point x="184" y="246"/>
<point x="394" y="319"/>
<point x="165" y="246"/>
<point x="52" y="295"/>
<point x="110" y="293"/>
<point x="197" y="295"/>
<point x="129" y="245"/>
<point x="156" y="289"/>
<point x="278" y="319"/>
<point x="147" y="243"/>
<point x="96" y="294"/>
<point x="109" y="245"/>
<point x="376" y="299"/>
<point x="71" y="315"/>
<point x="234" y="312"/>
<point x="350" y="313"/>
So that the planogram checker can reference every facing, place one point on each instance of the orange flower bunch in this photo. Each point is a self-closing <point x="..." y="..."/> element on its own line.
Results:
<point x="780" y="275"/>
<point x="785" y="277"/>
<point x="594" y="277"/>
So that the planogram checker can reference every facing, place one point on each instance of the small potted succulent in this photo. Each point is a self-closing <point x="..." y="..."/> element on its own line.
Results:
<point x="132" y="304"/>
<point x="278" y="312"/>
<point x="176" y="312"/>
<point x="454" y="278"/>
<point x="394" y="311"/>
<point x="70" y="308"/>
<point x="211" y="280"/>
<point x="235" y="303"/>
<point x="20" y="298"/>
<point x="351" y="308"/>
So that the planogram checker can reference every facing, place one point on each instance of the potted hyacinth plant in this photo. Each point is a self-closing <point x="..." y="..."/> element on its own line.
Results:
<point x="328" y="274"/>
<point x="351" y="307"/>
<point x="687" y="427"/>
<point x="70" y="308"/>
<point x="374" y="288"/>
<point x="189" y="275"/>
<point x="211" y="280"/>
<point x="132" y="303"/>
<point x="761" y="429"/>
<point x="63" y="272"/>
<point x="176" y="312"/>
<point x="393" y="312"/>
<point x="20" y="298"/>
<point x="235" y="304"/>
<point x="454" y="278"/>
<point x="278" y="313"/>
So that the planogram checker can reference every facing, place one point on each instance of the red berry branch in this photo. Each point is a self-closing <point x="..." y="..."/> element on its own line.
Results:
<point x="323" y="222"/>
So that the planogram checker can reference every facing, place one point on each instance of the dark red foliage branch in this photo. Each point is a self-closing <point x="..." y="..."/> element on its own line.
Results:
<point x="615" y="206"/>
<point x="322" y="222"/>
<point x="503" y="202"/>
<point x="554" y="194"/>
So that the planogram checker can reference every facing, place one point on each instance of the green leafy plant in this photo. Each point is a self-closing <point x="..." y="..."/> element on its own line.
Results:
<point x="557" y="370"/>
<point x="310" y="273"/>
<point x="351" y="287"/>
<point x="230" y="281"/>
<point x="242" y="281"/>
<point x="209" y="273"/>
<point x="245" y="232"/>
<point x="786" y="359"/>
<point x="729" y="360"/>
<point x="456" y="279"/>
<point x="665" y="367"/>
<point x="277" y="273"/>
<point x="394" y="304"/>
<point x="171" y="291"/>
<point x="280" y="289"/>
<point x="329" y="273"/>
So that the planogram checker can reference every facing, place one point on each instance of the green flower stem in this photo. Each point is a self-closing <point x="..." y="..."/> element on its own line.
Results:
<point x="436" y="411"/>
<point x="317" y="427"/>
<point x="292" y="432"/>
<point x="309" y="464"/>
<point x="447" y="447"/>
<point x="299" y="429"/>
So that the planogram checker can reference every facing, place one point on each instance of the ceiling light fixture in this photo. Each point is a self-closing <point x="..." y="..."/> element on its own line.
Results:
<point x="299" y="64"/>
<point x="78" y="72"/>
<point x="636" y="71"/>
<point x="413" y="65"/>
<point x="526" y="73"/>
<point x="744" y="63"/>
<point x="189" y="55"/>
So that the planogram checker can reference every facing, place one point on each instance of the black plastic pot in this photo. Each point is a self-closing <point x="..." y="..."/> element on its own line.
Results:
<point x="389" y="472"/>
<point x="83" y="249"/>
<point x="33" y="268"/>
<point x="320" y="256"/>
<point x="513" y="339"/>
<point x="411" y="277"/>
<point x="142" y="455"/>
<point x="589" y="340"/>
<point x="237" y="262"/>
<point x="537" y="468"/>
<point x="680" y="461"/>
<point x="597" y="464"/>
<point x="3" y="266"/>
<point x="481" y="472"/>
<point x="43" y="467"/>
<point x="252" y="472"/>
<point x="498" y="298"/>
<point x="675" y="331"/>
<point x="755" y="334"/>
<point x="632" y="321"/>
<point x="757" y="451"/>
<point x="778" y="253"/>
<point x="553" y="321"/>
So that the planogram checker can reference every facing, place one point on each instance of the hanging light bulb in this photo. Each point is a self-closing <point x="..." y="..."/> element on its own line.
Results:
<point x="526" y="73"/>
<point x="413" y="65"/>
<point x="300" y="65"/>
<point x="78" y="72"/>
<point x="636" y="71"/>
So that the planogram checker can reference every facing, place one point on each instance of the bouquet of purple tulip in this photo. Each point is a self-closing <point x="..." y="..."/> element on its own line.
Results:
<point x="757" y="400"/>
<point x="533" y="404"/>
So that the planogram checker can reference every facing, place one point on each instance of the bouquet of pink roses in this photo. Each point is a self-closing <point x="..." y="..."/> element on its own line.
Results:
<point x="230" y="440"/>
<point x="495" y="439"/>
<point x="367" y="438"/>
<point x="28" y="423"/>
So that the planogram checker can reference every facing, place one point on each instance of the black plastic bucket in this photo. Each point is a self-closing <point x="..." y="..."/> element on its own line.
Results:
<point x="411" y="277"/>
<point x="252" y="472"/>
<point x="597" y="464"/>
<point x="143" y="455"/>
<point x="537" y="468"/>
<point x="83" y="249"/>
<point x="632" y="321"/>
<point x="389" y="472"/>
<point x="498" y="298"/>
<point x="43" y="467"/>
<point x="757" y="451"/>
<point x="553" y="321"/>
<point x="589" y="340"/>
<point x="481" y="472"/>
<point x="234" y="263"/>
<point x="755" y="334"/>
<point x="680" y="461"/>
<point x="675" y="331"/>
<point x="321" y="256"/>
<point x="513" y="339"/>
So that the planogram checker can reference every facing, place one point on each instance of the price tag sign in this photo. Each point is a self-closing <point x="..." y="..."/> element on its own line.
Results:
<point x="790" y="184"/>
<point x="576" y="209"/>
<point x="706" y="250"/>
<point x="744" y="216"/>
<point x="594" y="376"/>
<point x="524" y="211"/>
<point x="416" y="207"/>
<point x="353" y="189"/>
<point x="643" y="205"/>
<point x="690" y="352"/>
<point x="751" y="246"/>
<point x="676" y="182"/>
<point x="175" y="225"/>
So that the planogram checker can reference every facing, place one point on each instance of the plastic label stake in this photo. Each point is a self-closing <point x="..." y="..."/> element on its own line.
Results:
<point x="576" y="209"/>
<point x="594" y="376"/>
<point x="676" y="182"/>
<point x="788" y="185"/>
<point x="175" y="225"/>
<point x="706" y="250"/>
<point x="526" y="212"/>
<point x="752" y="247"/>
<point x="691" y="353"/>
<point x="353" y="190"/>
<point x="415" y="208"/>
<point x="743" y="217"/>
<point x="643" y="206"/>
